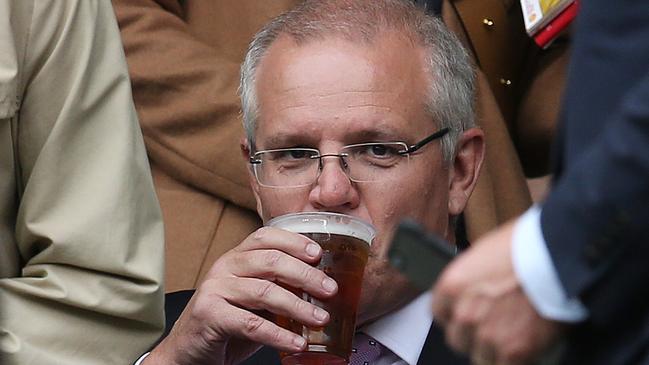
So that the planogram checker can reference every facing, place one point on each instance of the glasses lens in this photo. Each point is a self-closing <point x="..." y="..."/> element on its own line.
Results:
<point x="375" y="161"/>
<point x="287" y="167"/>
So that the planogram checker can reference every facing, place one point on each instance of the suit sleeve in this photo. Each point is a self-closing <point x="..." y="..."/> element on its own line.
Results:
<point x="88" y="226"/>
<point x="595" y="220"/>
<point x="186" y="95"/>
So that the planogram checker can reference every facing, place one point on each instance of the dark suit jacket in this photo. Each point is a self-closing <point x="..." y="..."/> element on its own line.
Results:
<point x="434" y="352"/>
<point x="595" y="220"/>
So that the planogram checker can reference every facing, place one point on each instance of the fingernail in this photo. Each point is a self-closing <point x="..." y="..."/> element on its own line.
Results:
<point x="320" y="314"/>
<point x="329" y="285"/>
<point x="312" y="249"/>
<point x="299" y="342"/>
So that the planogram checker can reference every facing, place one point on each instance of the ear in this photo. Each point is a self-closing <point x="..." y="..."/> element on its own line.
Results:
<point x="252" y="180"/>
<point x="465" y="169"/>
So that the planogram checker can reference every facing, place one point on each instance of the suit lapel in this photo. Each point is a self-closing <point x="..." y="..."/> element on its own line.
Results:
<point x="435" y="351"/>
<point x="265" y="356"/>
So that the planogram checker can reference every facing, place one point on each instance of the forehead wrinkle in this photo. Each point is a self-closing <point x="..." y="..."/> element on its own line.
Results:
<point x="369" y="105"/>
<point x="294" y="105"/>
<point x="349" y="106"/>
<point x="374" y="94"/>
<point x="282" y="107"/>
<point x="319" y="92"/>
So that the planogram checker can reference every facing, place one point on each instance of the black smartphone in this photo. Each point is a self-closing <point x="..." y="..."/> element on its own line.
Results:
<point x="419" y="255"/>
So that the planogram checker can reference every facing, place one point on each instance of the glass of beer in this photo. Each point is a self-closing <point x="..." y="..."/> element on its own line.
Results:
<point x="345" y="242"/>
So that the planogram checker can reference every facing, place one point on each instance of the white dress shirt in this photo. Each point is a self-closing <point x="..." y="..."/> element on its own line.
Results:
<point x="535" y="270"/>
<point x="403" y="332"/>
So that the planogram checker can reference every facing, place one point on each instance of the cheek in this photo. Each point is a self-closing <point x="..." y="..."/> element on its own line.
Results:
<point x="276" y="202"/>
<point x="412" y="199"/>
<point x="418" y="200"/>
<point x="386" y="207"/>
<point x="430" y="203"/>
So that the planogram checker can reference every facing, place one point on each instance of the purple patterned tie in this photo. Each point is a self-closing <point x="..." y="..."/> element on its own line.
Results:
<point x="366" y="350"/>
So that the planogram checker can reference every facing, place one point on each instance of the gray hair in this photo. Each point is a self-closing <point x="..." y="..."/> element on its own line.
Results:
<point x="451" y="89"/>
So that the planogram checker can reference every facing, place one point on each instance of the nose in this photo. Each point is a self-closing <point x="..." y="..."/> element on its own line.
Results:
<point x="334" y="191"/>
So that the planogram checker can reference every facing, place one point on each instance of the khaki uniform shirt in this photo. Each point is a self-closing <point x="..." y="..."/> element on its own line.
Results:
<point x="81" y="236"/>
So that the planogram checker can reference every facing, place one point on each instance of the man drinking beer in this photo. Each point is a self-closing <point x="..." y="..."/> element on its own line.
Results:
<point x="362" y="108"/>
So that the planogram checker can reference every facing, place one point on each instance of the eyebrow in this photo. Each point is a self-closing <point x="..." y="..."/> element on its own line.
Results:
<point x="373" y="135"/>
<point x="284" y="140"/>
<point x="295" y="139"/>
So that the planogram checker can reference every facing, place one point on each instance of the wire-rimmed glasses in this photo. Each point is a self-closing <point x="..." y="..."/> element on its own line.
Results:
<point x="362" y="162"/>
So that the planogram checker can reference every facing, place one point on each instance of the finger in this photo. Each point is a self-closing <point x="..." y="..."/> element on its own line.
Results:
<point x="209" y="322"/>
<point x="274" y="265"/>
<point x="468" y="316"/>
<point x="262" y="294"/>
<point x="240" y="323"/>
<point x="458" y="337"/>
<point x="483" y="352"/>
<point x="442" y="308"/>
<point x="294" y="244"/>
<point x="476" y="360"/>
<point x="446" y="293"/>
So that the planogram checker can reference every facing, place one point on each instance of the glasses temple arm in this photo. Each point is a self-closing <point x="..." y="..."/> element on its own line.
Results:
<point x="440" y="133"/>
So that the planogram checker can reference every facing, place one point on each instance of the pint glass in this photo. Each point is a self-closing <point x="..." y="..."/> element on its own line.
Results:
<point x="345" y="242"/>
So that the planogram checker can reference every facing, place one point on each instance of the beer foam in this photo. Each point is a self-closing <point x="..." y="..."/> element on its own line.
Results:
<point x="325" y="222"/>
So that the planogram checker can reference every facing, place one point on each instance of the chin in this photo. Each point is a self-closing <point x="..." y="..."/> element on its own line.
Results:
<point x="384" y="290"/>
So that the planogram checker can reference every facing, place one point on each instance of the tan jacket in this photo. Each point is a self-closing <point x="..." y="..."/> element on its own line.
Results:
<point x="81" y="234"/>
<point x="184" y="60"/>
<point x="527" y="82"/>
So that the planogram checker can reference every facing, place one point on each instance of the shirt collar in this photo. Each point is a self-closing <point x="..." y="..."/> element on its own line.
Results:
<point x="405" y="330"/>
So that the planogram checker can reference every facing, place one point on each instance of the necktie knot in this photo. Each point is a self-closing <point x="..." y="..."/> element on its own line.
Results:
<point x="365" y="351"/>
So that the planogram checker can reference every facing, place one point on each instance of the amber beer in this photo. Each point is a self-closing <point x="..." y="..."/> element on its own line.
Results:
<point x="345" y="242"/>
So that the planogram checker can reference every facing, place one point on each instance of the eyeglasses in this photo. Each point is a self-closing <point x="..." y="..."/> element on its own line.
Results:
<point x="362" y="162"/>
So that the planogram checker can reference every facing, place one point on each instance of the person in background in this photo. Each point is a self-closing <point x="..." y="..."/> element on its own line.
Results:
<point x="574" y="269"/>
<point x="394" y="83"/>
<point x="527" y="84"/>
<point x="81" y="236"/>
<point x="184" y="59"/>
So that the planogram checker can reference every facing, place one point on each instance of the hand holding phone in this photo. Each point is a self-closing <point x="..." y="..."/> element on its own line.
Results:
<point x="419" y="255"/>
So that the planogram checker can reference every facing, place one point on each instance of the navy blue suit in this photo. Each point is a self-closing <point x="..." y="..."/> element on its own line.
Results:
<point x="434" y="352"/>
<point x="596" y="220"/>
